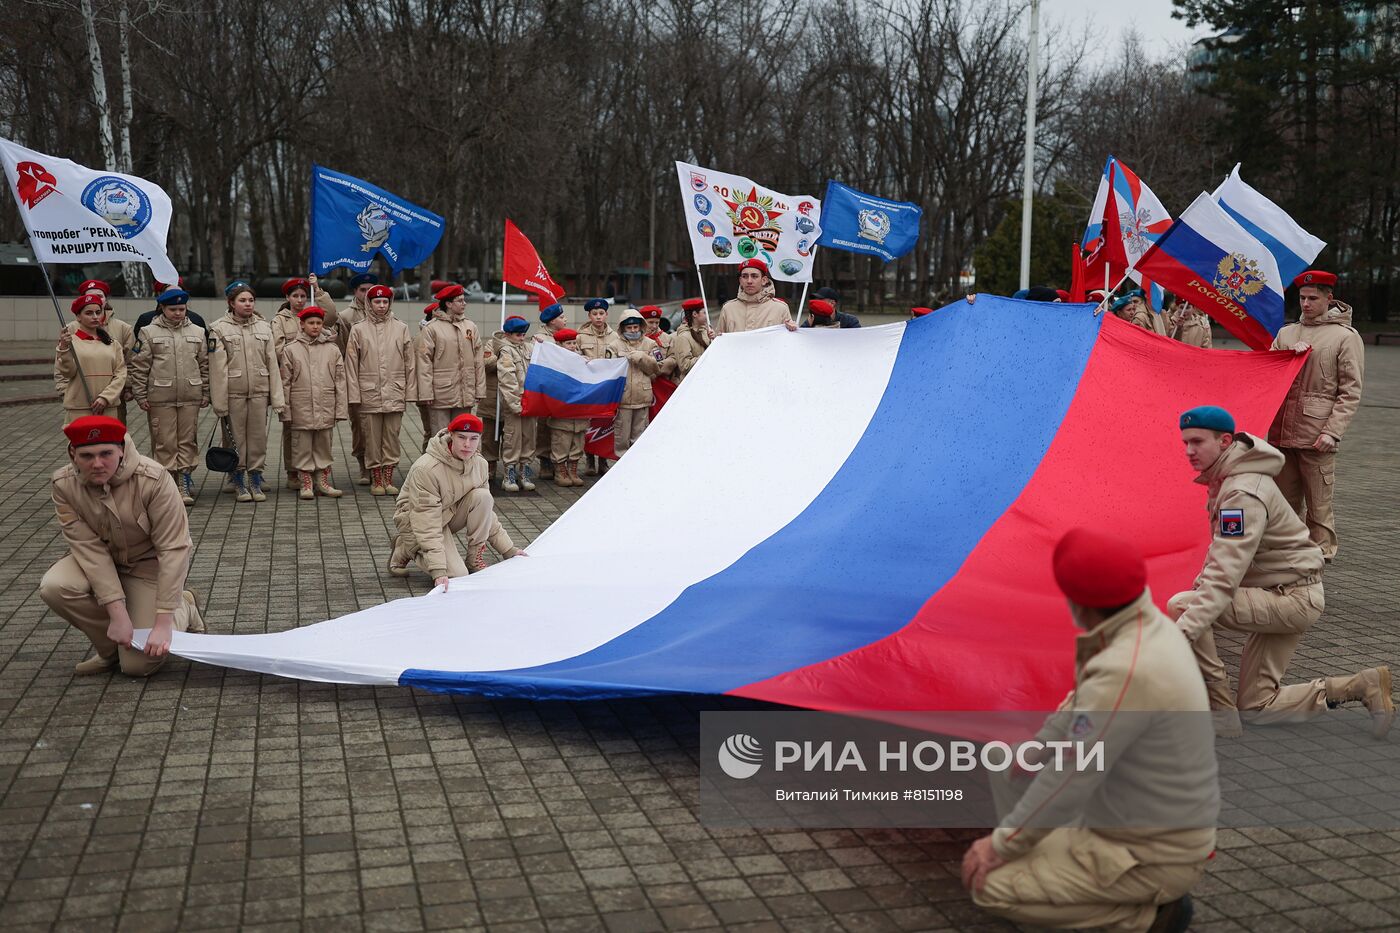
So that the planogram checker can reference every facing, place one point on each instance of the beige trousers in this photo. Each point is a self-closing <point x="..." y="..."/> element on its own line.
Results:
<point x="440" y="418"/>
<point x="475" y="513"/>
<point x="382" y="438"/>
<point x="1274" y="621"/>
<point x="249" y="417"/>
<point x="65" y="589"/>
<point x="1076" y="878"/>
<point x="174" y="436"/>
<point x="566" y="444"/>
<point x="1306" y="482"/>
<point x="627" y="427"/>
<point x="357" y="434"/>
<point x="287" y="450"/>
<point x="311" y="450"/>
<point x="518" y="438"/>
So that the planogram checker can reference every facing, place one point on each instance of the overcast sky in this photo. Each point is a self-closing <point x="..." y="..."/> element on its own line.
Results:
<point x="1110" y="18"/>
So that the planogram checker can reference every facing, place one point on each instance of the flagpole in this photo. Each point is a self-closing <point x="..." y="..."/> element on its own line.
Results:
<point x="700" y="276"/>
<point x="801" y="302"/>
<point x="502" y="327"/>
<point x="1104" y="305"/>
<point x="62" y="326"/>
<point x="1028" y="182"/>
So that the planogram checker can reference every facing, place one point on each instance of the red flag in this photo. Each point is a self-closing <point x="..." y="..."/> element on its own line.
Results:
<point x="525" y="270"/>
<point x="1076" y="273"/>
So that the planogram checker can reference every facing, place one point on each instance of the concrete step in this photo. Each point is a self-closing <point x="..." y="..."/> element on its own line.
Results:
<point x="26" y="372"/>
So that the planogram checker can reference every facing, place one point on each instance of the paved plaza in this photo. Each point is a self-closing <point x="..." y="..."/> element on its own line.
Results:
<point x="208" y="798"/>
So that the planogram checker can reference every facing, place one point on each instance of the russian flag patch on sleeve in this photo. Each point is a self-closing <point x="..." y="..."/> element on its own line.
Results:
<point x="1232" y="523"/>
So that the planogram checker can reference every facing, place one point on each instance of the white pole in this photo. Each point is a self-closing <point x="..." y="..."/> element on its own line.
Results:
<point x="701" y="277"/>
<point x="1028" y="184"/>
<point x="503" y="327"/>
<point x="801" y="302"/>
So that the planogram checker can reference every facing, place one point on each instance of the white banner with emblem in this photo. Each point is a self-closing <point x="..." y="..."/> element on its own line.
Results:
<point x="731" y="219"/>
<point x="77" y="215"/>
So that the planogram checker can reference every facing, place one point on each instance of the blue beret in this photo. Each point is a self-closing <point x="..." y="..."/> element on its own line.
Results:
<point x="515" y="324"/>
<point x="236" y="283"/>
<point x="550" y="313"/>
<point x="595" y="303"/>
<point x="364" y="278"/>
<point x="1021" y="294"/>
<point x="1124" y="298"/>
<point x="1209" y="418"/>
<point x="173" y="296"/>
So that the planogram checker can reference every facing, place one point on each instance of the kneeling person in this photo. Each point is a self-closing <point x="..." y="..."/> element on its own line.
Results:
<point x="129" y="549"/>
<point x="445" y="491"/>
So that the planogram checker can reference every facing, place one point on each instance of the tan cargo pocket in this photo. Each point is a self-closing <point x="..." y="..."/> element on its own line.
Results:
<point x="1328" y="471"/>
<point x="1104" y="860"/>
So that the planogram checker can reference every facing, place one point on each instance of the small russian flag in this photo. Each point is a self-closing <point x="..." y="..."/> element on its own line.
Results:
<point x="563" y="384"/>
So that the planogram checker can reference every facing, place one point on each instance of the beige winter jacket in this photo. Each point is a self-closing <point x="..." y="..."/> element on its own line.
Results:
<point x="345" y="322"/>
<point x="1140" y="315"/>
<point x="451" y="363"/>
<point x="104" y="367"/>
<point x="685" y="352"/>
<point x="435" y="485"/>
<point x="641" y="367"/>
<point x="313" y="379"/>
<point x="1191" y="326"/>
<point x="1325" y="396"/>
<point x="245" y="363"/>
<point x="120" y="331"/>
<point x="592" y="343"/>
<point x="381" y="365"/>
<point x="745" y="313"/>
<point x="1257" y="538"/>
<point x="133" y="525"/>
<point x="511" y="364"/>
<point x="491" y="357"/>
<point x="170" y="366"/>
<point x="1139" y="691"/>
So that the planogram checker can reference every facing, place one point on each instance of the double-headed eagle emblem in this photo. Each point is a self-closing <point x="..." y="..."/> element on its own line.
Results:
<point x="1238" y="277"/>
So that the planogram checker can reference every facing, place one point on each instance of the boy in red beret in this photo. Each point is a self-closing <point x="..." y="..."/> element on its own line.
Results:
<point x="756" y="306"/>
<point x="129" y="549"/>
<point x="566" y="434"/>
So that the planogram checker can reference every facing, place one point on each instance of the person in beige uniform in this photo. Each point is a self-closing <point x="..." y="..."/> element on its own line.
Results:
<point x="594" y="336"/>
<point x="553" y="319"/>
<point x="245" y="384"/>
<point x="1132" y="307"/>
<point x="1057" y="859"/>
<point x="689" y="342"/>
<point x="651" y="314"/>
<point x="313" y="381"/>
<point x="382" y="378"/>
<point x="518" y="441"/>
<point x="355" y="312"/>
<point x="120" y="331"/>
<point x="129" y="549"/>
<point x="286" y="327"/>
<point x="1262" y="577"/>
<point x="566" y="435"/>
<point x="634" y="410"/>
<point x="755" y="306"/>
<point x="101" y="357"/>
<point x="170" y="381"/>
<point x="1190" y="325"/>
<point x="451" y="361"/>
<point x="1320" y="404"/>
<point x="444" y="492"/>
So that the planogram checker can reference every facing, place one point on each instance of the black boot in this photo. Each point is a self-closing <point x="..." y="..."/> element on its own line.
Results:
<point x="1173" y="916"/>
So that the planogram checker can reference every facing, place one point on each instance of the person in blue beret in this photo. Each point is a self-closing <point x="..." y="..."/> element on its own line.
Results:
<point x="1263" y="578"/>
<point x="553" y="319"/>
<point x="519" y="441"/>
<point x="1131" y="306"/>
<point x="173" y="295"/>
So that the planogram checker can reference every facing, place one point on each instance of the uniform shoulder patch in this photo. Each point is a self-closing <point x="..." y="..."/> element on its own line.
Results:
<point x="1082" y="725"/>
<point x="1232" y="523"/>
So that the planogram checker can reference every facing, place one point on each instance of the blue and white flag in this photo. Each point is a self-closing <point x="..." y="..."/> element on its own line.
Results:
<point x="862" y="223"/>
<point x="1293" y="248"/>
<point x="352" y="220"/>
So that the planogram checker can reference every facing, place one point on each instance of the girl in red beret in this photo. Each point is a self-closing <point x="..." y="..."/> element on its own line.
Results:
<point x="102" y="360"/>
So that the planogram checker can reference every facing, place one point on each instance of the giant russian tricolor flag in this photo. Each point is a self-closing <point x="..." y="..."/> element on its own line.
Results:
<point x="875" y="533"/>
<point x="560" y="383"/>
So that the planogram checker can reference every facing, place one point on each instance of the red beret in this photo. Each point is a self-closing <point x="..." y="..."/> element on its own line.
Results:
<point x="1064" y="295"/>
<point x="1098" y="570"/>
<point x="920" y="312"/>
<point x="821" y="307"/>
<point x="438" y="285"/>
<point x="379" y="291"/>
<point x="311" y="311"/>
<point x="428" y="311"/>
<point x="95" y="429"/>
<point x="466" y="423"/>
<point x="565" y="334"/>
<point x="1316" y="277"/>
<point x="95" y="284"/>
<point x="293" y="284"/>
<point x="651" y="311"/>
<point x="82" y="301"/>
<point x="448" y="292"/>
<point x="692" y="304"/>
<point x="758" y="264"/>
<point x="162" y="286"/>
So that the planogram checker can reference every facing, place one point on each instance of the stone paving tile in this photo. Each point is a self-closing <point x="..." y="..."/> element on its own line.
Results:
<point x="207" y="798"/>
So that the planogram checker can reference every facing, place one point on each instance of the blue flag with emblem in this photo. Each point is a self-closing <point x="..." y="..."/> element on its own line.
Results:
<point x="862" y="223"/>
<point x="352" y="221"/>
